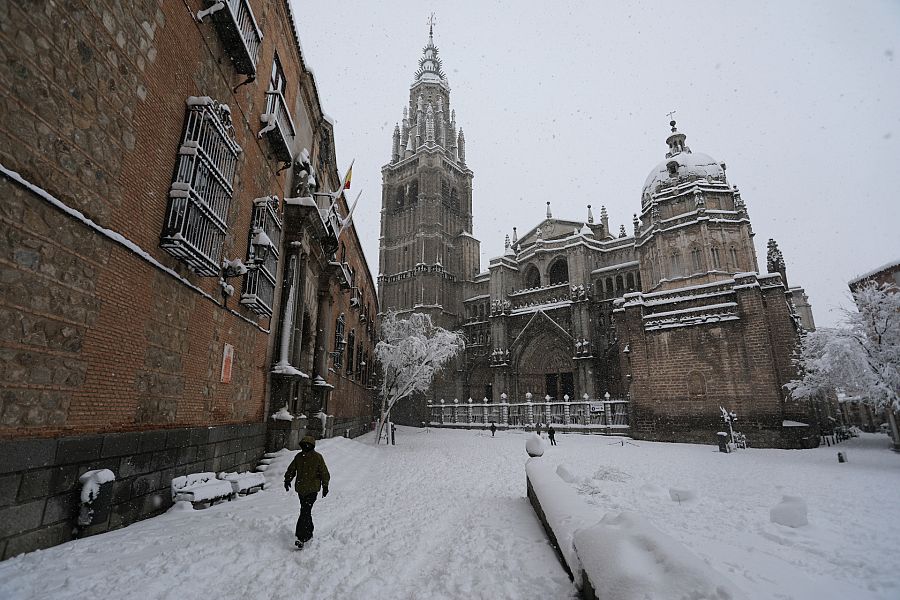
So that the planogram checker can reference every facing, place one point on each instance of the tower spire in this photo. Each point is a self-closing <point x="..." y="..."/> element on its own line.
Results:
<point x="430" y="65"/>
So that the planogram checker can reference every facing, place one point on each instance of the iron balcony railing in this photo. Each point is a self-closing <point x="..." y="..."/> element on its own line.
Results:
<point x="240" y="34"/>
<point x="258" y="293"/>
<point x="279" y="127"/>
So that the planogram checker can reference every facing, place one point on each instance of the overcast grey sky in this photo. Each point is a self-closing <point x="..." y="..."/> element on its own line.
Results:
<point x="567" y="102"/>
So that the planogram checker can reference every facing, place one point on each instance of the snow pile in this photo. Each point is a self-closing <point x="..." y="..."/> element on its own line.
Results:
<point x="681" y="495"/>
<point x="290" y="370"/>
<point x="567" y="475"/>
<point x="625" y="557"/>
<point x="91" y="481"/>
<point x="790" y="512"/>
<point x="564" y="510"/>
<point x="283" y="414"/>
<point x="534" y="446"/>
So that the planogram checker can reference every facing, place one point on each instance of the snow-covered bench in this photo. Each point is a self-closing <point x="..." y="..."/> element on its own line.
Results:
<point x="202" y="489"/>
<point x="244" y="483"/>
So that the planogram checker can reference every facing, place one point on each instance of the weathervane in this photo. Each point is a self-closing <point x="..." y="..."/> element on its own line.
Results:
<point x="431" y="24"/>
<point x="671" y="116"/>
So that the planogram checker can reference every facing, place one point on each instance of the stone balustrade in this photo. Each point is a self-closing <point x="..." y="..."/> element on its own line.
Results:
<point x="609" y="416"/>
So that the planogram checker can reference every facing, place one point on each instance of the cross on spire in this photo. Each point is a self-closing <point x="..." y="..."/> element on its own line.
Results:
<point x="431" y="24"/>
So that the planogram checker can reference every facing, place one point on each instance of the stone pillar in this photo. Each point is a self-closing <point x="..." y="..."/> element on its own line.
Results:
<point x="566" y="413"/>
<point x="455" y="410"/>
<point x="547" y="409"/>
<point x="529" y="409"/>
<point x="470" y="412"/>
<point x="504" y="409"/>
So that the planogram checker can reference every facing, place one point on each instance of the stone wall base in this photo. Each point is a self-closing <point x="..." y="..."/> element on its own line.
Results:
<point x="40" y="491"/>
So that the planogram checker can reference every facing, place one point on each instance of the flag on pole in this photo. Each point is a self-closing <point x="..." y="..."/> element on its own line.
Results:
<point x="347" y="177"/>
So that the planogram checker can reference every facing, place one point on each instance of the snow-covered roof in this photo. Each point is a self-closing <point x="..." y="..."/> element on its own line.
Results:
<point x="691" y="165"/>
<point x="894" y="264"/>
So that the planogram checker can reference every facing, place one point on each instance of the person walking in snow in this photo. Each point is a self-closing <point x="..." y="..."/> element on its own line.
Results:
<point x="551" y="433"/>
<point x="311" y="473"/>
<point x="493" y="429"/>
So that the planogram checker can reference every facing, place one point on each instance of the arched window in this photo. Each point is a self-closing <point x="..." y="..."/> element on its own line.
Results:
<point x="696" y="385"/>
<point x="559" y="272"/>
<point x="629" y="282"/>
<point x="675" y="264"/>
<point x="532" y="277"/>
<point x="445" y="191"/>
<point x="734" y="258"/>
<point x="696" y="260"/>
<point x="412" y="192"/>
<point x="610" y="291"/>
<point x="454" y="198"/>
<point x="620" y="285"/>
<point x="716" y="259"/>
<point x="399" y="197"/>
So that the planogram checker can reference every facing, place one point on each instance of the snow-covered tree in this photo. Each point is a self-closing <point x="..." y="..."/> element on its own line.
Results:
<point x="861" y="356"/>
<point x="411" y="352"/>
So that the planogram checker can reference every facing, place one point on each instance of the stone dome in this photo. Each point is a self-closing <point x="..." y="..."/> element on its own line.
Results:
<point x="681" y="165"/>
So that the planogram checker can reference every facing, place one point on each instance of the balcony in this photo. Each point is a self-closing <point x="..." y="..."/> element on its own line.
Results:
<point x="238" y="30"/>
<point x="259" y="284"/>
<point x="279" y="128"/>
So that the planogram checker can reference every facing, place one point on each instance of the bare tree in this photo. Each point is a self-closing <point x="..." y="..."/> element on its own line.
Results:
<point x="861" y="356"/>
<point x="411" y="352"/>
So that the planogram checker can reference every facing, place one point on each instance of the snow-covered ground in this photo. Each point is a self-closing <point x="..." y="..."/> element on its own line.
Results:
<point x="443" y="515"/>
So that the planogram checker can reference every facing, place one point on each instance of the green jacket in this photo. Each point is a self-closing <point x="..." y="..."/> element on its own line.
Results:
<point x="310" y="470"/>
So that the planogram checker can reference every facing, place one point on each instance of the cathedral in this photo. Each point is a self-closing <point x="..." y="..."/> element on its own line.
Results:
<point x="651" y="332"/>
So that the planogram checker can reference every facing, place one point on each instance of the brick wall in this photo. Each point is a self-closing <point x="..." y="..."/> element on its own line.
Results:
<point x="681" y="376"/>
<point x="111" y="357"/>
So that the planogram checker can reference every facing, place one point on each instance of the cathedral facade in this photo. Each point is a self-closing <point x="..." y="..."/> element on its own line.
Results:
<point x="669" y="321"/>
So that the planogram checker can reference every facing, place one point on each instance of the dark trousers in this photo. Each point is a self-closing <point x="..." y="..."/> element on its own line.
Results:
<point x="552" y="440"/>
<point x="304" y="530"/>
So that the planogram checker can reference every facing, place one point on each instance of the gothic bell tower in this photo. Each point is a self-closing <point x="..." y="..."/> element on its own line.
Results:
<point x="426" y="250"/>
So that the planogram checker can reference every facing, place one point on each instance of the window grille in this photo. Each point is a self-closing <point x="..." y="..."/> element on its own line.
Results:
<point x="351" y="341"/>
<point x="339" y="342"/>
<point x="203" y="187"/>
<point x="259" y="284"/>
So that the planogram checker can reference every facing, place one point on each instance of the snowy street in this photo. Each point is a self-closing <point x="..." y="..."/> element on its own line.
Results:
<point x="443" y="515"/>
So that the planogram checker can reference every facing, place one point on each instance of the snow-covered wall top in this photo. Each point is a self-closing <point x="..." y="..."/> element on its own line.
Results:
<point x="619" y="554"/>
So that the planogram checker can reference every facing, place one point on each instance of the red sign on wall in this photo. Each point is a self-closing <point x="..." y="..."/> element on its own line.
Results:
<point x="227" y="361"/>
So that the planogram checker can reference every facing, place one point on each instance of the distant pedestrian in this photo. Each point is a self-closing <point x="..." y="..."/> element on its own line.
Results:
<point x="551" y="433"/>
<point x="537" y="428"/>
<point x="309" y="468"/>
<point x="493" y="429"/>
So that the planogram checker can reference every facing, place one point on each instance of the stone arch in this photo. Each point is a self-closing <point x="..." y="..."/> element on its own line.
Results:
<point x="696" y="387"/>
<point x="558" y="271"/>
<point x="532" y="277"/>
<point x="629" y="282"/>
<point x="542" y="358"/>
<point x="696" y="259"/>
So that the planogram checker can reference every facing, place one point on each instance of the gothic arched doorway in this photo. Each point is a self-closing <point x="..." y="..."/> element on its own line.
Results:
<point x="544" y="367"/>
